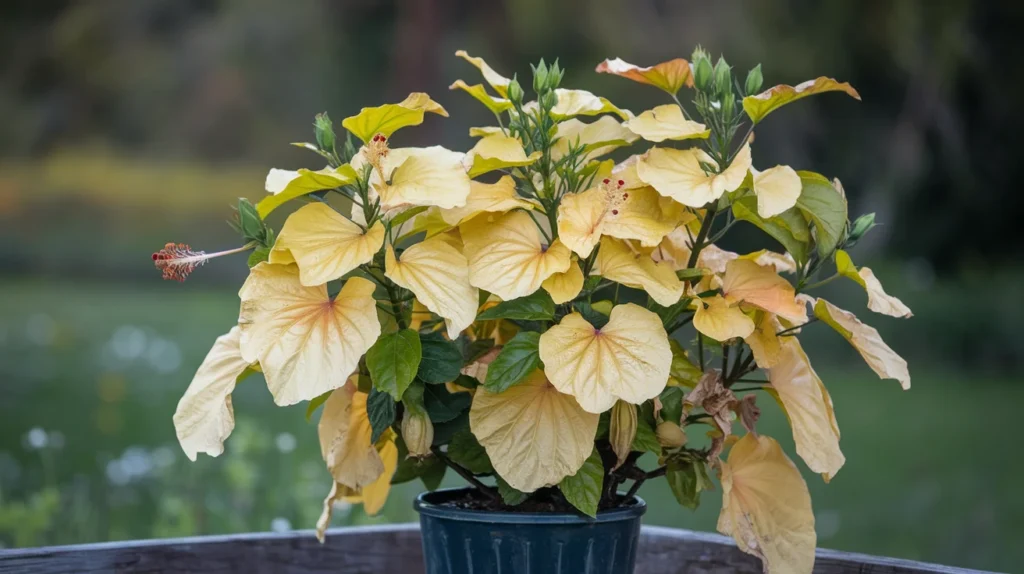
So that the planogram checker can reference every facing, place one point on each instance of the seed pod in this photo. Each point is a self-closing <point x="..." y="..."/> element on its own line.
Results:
<point x="622" y="430"/>
<point x="418" y="433"/>
<point x="670" y="435"/>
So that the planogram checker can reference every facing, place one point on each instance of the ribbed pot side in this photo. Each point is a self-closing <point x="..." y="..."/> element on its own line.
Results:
<point x="457" y="541"/>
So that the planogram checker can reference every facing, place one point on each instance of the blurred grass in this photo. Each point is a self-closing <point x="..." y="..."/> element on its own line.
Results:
<point x="98" y="369"/>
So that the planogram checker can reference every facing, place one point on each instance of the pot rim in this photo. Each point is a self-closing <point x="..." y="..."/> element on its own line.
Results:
<point x="427" y="507"/>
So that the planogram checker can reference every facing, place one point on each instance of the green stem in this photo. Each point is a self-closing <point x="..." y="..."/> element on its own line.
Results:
<point x="825" y="281"/>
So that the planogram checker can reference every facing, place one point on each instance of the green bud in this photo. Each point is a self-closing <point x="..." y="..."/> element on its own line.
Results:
<point x="348" y="151"/>
<point x="703" y="74"/>
<point x="728" y="107"/>
<point x="515" y="91"/>
<point x="549" y="100"/>
<point x="324" y="130"/>
<point x="754" y="81"/>
<point x="723" y="77"/>
<point x="859" y="227"/>
<point x="555" y="73"/>
<point x="540" y="77"/>
<point x="699" y="54"/>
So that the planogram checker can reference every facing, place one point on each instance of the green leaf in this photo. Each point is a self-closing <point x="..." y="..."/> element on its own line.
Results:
<point x="306" y="182"/>
<point x="381" y="410"/>
<point x="683" y="371"/>
<point x="465" y="451"/>
<point x="790" y="231"/>
<point x="517" y="359"/>
<point x="669" y="314"/>
<point x="406" y="215"/>
<point x="476" y="349"/>
<point x="441" y="362"/>
<point x="509" y="495"/>
<point x="443" y="432"/>
<point x="258" y="255"/>
<point x="535" y="307"/>
<point x="393" y="361"/>
<point x="433" y="474"/>
<point x="823" y="205"/>
<point x="693" y="273"/>
<point x="687" y="479"/>
<point x="443" y="406"/>
<point x="429" y="469"/>
<point x="315" y="403"/>
<point x="594" y="317"/>
<point x="672" y="404"/>
<point x="646" y="440"/>
<point x="583" y="489"/>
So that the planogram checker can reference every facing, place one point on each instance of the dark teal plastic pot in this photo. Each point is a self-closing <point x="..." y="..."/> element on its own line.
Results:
<point x="459" y="541"/>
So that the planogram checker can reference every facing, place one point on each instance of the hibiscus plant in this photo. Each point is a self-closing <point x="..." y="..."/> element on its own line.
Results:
<point x="538" y="318"/>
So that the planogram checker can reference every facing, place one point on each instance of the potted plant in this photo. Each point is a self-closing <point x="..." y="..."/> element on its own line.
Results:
<point x="538" y="318"/>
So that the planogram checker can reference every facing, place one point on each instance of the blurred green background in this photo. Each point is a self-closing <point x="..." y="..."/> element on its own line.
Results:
<point x="131" y="123"/>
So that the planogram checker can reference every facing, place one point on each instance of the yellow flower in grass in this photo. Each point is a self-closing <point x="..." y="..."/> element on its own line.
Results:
<point x="629" y="358"/>
<point x="438" y="275"/>
<point x="306" y="342"/>
<point x="766" y="506"/>
<point x="324" y="244"/>
<point x="204" y="417"/>
<point x="534" y="435"/>
<point x="808" y="407"/>
<point x="679" y="174"/>
<point x="507" y="257"/>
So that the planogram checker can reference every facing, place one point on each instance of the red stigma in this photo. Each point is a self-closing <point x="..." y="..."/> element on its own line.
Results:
<point x="621" y="183"/>
<point x="625" y="196"/>
<point x="607" y="181"/>
<point x="615" y="212"/>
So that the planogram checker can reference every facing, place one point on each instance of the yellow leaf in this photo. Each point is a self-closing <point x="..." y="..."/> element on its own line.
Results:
<point x="337" y="494"/>
<point x="564" y="287"/>
<point x="777" y="190"/>
<point x="506" y="256"/>
<point x="666" y="123"/>
<point x="599" y="137"/>
<point x="438" y="275"/>
<point x="496" y="105"/>
<point x="494" y="79"/>
<point x="324" y="244"/>
<point x="759" y="106"/>
<point x="717" y="319"/>
<point x="431" y="176"/>
<point x="431" y="222"/>
<point x="766" y="506"/>
<point x="572" y="103"/>
<point x="285" y="185"/>
<point x="763" y="342"/>
<point x="879" y="356"/>
<point x="781" y="262"/>
<point x="306" y="342"/>
<point x="389" y="118"/>
<point x="204" y="417"/>
<point x="497" y="151"/>
<point x="534" y="435"/>
<point x="496" y="197"/>
<point x="809" y="408"/>
<point x="678" y="174"/>
<point x="669" y="76"/>
<point x="581" y="219"/>
<point x="374" y="495"/>
<point x="345" y="434"/>
<point x="878" y="300"/>
<point x="760" y="286"/>
<point x="485" y="131"/>
<point x="628" y="359"/>
<point x="616" y="262"/>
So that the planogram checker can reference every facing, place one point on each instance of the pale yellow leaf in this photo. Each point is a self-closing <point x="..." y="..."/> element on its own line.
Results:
<point x="204" y="417"/>
<point x="809" y="409"/>
<point x="766" y="506"/>
<point x="763" y="342"/>
<point x="717" y="319"/>
<point x="497" y="151"/>
<point x="324" y="244"/>
<point x="344" y="431"/>
<point x="306" y="342"/>
<point x="666" y="123"/>
<point x="760" y="105"/>
<point x="431" y="176"/>
<point x="438" y="275"/>
<point x="506" y="255"/>
<point x="878" y="300"/>
<point x="478" y="91"/>
<point x="534" y="435"/>
<point x="600" y="137"/>
<point x="629" y="358"/>
<point x="497" y="81"/>
<point x="746" y="281"/>
<point x="389" y="118"/>
<point x="777" y="190"/>
<point x="496" y="197"/>
<point x="564" y="287"/>
<point x="879" y="356"/>
<point x="669" y="76"/>
<point x="617" y="262"/>
<point x="678" y="174"/>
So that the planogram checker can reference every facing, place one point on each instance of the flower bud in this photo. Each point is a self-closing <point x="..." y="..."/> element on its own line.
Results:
<point x="670" y="435"/>
<point x="703" y="73"/>
<point x="540" y="77"/>
<point x="723" y="77"/>
<point x="324" y="131"/>
<point x="549" y="100"/>
<point x="418" y="433"/>
<point x="754" y="81"/>
<point x="858" y="228"/>
<point x="622" y="430"/>
<point x="515" y="91"/>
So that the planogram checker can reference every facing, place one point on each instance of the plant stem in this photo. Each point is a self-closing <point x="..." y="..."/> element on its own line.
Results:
<point x="825" y="281"/>
<point x="660" y="471"/>
<point x="702" y="235"/>
<point x="490" y="492"/>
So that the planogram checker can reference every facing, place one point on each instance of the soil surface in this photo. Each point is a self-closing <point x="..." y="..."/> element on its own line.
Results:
<point x="544" y="501"/>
